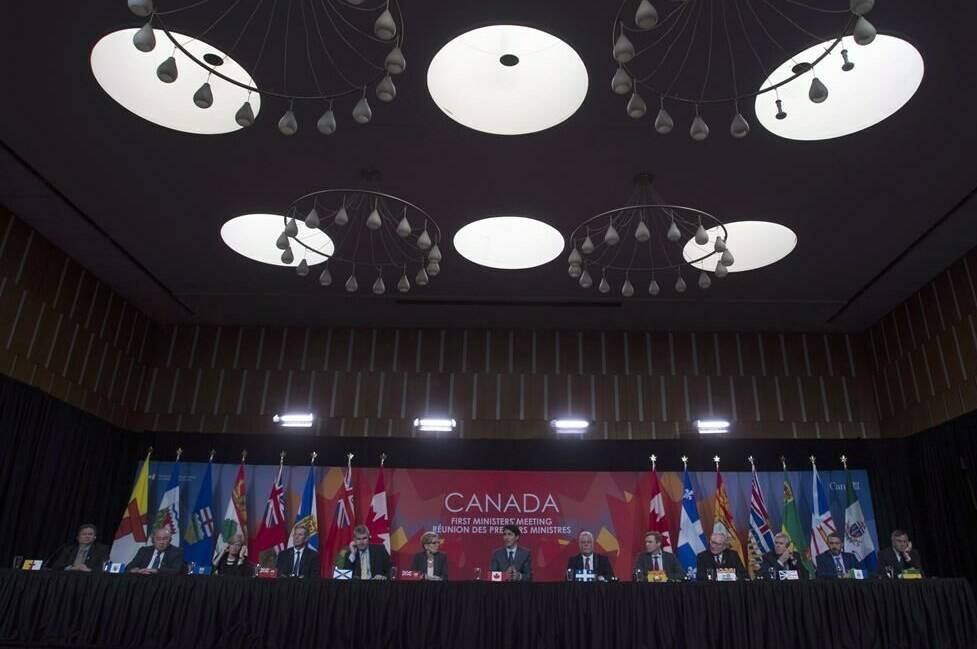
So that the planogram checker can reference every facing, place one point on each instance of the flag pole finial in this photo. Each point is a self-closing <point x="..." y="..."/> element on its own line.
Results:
<point x="383" y="458"/>
<point x="654" y="459"/>
<point x="149" y="452"/>
<point x="811" y="458"/>
<point x="281" y="459"/>
<point x="715" y="458"/>
<point x="244" y="455"/>
<point x="752" y="465"/>
<point x="685" y="461"/>
<point x="179" y="453"/>
<point x="783" y="462"/>
<point x="213" y="452"/>
<point x="844" y="461"/>
<point x="314" y="456"/>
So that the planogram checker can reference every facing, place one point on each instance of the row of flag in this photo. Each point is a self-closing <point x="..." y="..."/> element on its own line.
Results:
<point x="692" y="539"/>
<point x="203" y="539"/>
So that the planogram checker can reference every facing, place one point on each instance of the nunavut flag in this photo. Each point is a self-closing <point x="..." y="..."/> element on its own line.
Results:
<point x="131" y="534"/>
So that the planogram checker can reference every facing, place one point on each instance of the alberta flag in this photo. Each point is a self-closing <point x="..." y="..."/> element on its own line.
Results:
<point x="168" y="514"/>
<point x="691" y="540"/>
<point x="821" y="522"/>
<point x="199" y="537"/>
<point x="307" y="515"/>
<point x="858" y="541"/>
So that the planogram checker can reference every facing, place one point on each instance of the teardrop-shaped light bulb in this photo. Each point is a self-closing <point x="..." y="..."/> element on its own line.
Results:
<point x="646" y="17"/>
<point x="621" y="82"/>
<point x="575" y="257"/>
<point x="374" y="221"/>
<point x="404" y="284"/>
<point x="435" y="254"/>
<point x="719" y="245"/>
<point x="421" y="278"/>
<point x="861" y="7"/>
<point x="385" y="27"/>
<point x="386" y="91"/>
<point x="586" y="281"/>
<point x="721" y="271"/>
<point x="587" y="246"/>
<point x="325" y="277"/>
<point x="145" y="39"/>
<point x="424" y="241"/>
<point x="611" y="237"/>
<point x="739" y="128"/>
<point x="291" y="228"/>
<point x="302" y="269"/>
<point x="727" y="258"/>
<point x="403" y="228"/>
<point x="433" y="268"/>
<point x="699" y="129"/>
<point x="664" y="122"/>
<point x="701" y="236"/>
<point x="282" y="241"/>
<point x="680" y="285"/>
<point x="864" y="31"/>
<point x="204" y="97"/>
<point x="674" y="234"/>
<point x="575" y="270"/>
<point x="327" y="123"/>
<point x="141" y="8"/>
<point x="623" y="49"/>
<point x="379" y="288"/>
<point x="167" y="72"/>
<point x="288" y="125"/>
<point x="818" y="91"/>
<point x="352" y="284"/>
<point x="342" y="216"/>
<point x="362" y="112"/>
<point x="704" y="281"/>
<point x="636" y="106"/>
<point x="642" y="233"/>
<point x="604" y="286"/>
<point x="627" y="290"/>
<point x="288" y="256"/>
<point x="312" y="219"/>
<point x="244" y="115"/>
<point x="395" y="63"/>
<point x="654" y="288"/>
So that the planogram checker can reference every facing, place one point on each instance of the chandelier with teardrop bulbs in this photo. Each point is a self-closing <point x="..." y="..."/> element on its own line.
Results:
<point x="706" y="55"/>
<point x="373" y="237"/>
<point x="324" y="53"/>
<point x="641" y="245"/>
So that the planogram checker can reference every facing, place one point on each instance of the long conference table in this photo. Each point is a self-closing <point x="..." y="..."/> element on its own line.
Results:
<point x="195" y="612"/>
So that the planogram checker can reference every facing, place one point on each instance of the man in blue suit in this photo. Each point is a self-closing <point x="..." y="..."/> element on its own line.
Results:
<point x="515" y="562"/>
<point x="835" y="563"/>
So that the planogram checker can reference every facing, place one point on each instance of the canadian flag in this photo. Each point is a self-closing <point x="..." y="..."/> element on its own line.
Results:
<point x="657" y="518"/>
<point x="377" y="520"/>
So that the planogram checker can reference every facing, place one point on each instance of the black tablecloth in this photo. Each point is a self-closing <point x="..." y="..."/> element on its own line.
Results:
<point x="64" y="609"/>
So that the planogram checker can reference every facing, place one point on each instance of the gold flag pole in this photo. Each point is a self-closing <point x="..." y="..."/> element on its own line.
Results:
<point x="653" y="458"/>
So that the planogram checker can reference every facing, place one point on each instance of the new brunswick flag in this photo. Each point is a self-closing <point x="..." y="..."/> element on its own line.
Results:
<point x="723" y="520"/>
<point x="132" y="533"/>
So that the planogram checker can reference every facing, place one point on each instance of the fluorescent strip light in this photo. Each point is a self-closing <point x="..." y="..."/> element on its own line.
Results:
<point x="712" y="426"/>
<point x="435" y="425"/>
<point x="295" y="420"/>
<point x="569" y="426"/>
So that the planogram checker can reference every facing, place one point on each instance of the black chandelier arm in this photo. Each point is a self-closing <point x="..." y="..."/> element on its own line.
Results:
<point x="372" y="37"/>
<point x="244" y="30"/>
<point x="325" y="48"/>
<point x="180" y="9"/>
<point x="342" y="37"/>
<point x="818" y="9"/>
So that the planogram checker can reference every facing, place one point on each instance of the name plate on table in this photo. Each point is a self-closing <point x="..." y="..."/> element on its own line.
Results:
<point x="856" y="573"/>
<point x="788" y="575"/>
<point x="201" y="570"/>
<point x="267" y="573"/>
<point x="656" y="576"/>
<point x="411" y="575"/>
<point x="584" y="575"/>
<point x="911" y="573"/>
<point x="114" y="567"/>
<point x="725" y="574"/>
<point x="32" y="564"/>
<point x="340" y="573"/>
<point x="496" y="575"/>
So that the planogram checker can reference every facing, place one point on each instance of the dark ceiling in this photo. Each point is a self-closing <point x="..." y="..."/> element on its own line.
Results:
<point x="877" y="213"/>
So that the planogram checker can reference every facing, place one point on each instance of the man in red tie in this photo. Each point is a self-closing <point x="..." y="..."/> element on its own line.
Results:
<point x="588" y="564"/>
<point x="654" y="558"/>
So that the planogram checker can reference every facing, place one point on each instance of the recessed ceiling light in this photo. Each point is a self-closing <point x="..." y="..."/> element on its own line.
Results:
<point x="753" y="244"/>
<point x="253" y="236"/>
<point x="509" y="242"/>
<point x="129" y="77"/>
<point x="507" y="80"/>
<point x="885" y="75"/>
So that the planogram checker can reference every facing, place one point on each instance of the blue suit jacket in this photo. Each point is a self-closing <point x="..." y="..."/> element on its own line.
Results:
<point x="523" y="562"/>
<point x="825" y="568"/>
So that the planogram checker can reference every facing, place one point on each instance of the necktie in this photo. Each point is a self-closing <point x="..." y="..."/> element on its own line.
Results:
<point x="654" y="563"/>
<point x="157" y="557"/>
<point x="719" y="559"/>
<point x="512" y="556"/>
<point x="839" y="566"/>
<point x="364" y="565"/>
<point x="298" y="560"/>
<point x="586" y="563"/>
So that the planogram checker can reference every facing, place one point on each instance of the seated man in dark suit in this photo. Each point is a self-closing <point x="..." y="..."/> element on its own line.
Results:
<point x="515" y="562"/>
<point x="368" y="560"/>
<point x="718" y="557"/>
<point x="588" y="560"/>
<point x="835" y="563"/>
<point x="901" y="556"/>
<point x="655" y="559"/>
<point x="84" y="555"/>
<point x="159" y="558"/>
<point x="299" y="560"/>
<point x="781" y="558"/>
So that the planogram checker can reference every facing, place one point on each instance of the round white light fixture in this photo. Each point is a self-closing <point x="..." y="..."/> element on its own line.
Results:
<point x="130" y="78"/>
<point x="509" y="242"/>
<point x="885" y="75"/>
<point x="253" y="236"/>
<point x="507" y="80"/>
<point x="753" y="244"/>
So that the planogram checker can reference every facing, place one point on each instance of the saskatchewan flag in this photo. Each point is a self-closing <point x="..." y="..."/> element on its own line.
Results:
<point x="791" y="525"/>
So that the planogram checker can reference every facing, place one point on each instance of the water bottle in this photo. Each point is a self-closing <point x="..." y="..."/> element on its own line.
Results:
<point x="193" y="568"/>
<point x="569" y="574"/>
<point x="637" y="574"/>
<point x="478" y="574"/>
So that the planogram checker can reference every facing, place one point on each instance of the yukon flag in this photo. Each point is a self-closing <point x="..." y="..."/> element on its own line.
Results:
<point x="168" y="513"/>
<point x="131" y="534"/>
<point x="761" y="536"/>
<point x="235" y="517"/>
<point x="821" y="522"/>
<point x="377" y="520"/>
<point x="657" y="517"/>
<point x="857" y="539"/>
<point x="723" y="519"/>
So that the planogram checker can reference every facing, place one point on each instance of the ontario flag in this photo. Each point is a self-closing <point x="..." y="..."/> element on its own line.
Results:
<point x="131" y="534"/>
<point x="341" y="531"/>
<point x="377" y="520"/>
<point x="272" y="534"/>
<point x="657" y="517"/>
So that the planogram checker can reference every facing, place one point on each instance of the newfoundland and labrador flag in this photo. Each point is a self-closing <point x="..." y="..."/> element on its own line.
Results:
<point x="691" y="540"/>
